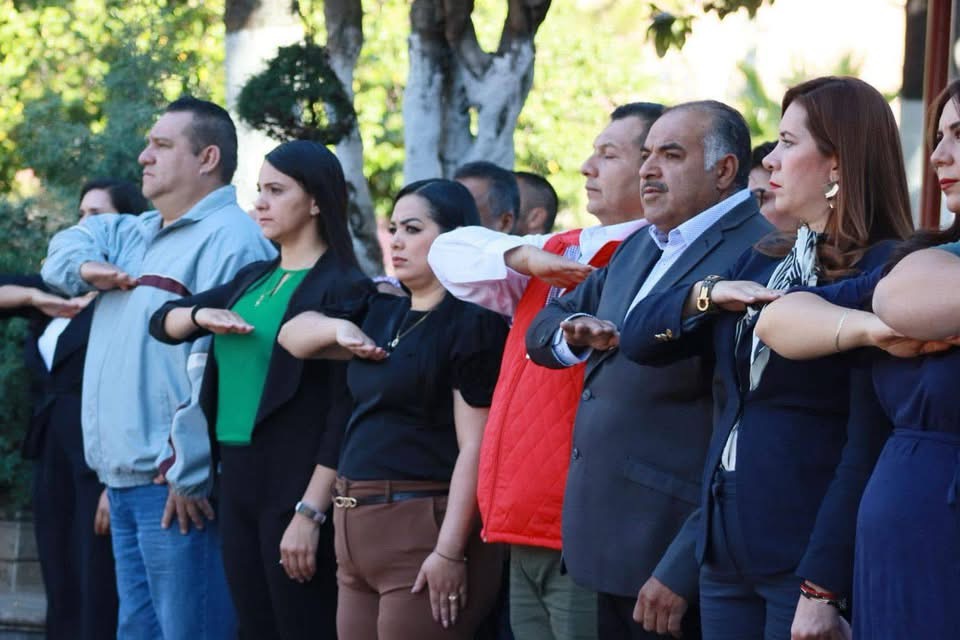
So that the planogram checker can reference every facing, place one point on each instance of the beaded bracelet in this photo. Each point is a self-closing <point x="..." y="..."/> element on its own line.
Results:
<point x="826" y="597"/>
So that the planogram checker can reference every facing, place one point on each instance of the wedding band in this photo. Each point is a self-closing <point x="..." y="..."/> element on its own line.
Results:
<point x="453" y="597"/>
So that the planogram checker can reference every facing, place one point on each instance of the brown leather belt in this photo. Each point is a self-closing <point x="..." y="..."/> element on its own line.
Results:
<point x="349" y="502"/>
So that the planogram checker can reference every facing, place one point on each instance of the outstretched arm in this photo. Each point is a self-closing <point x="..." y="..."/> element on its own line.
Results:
<point x="803" y="326"/>
<point x="314" y="335"/>
<point x="917" y="298"/>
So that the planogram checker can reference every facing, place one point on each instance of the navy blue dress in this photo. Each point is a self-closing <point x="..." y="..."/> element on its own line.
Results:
<point x="907" y="558"/>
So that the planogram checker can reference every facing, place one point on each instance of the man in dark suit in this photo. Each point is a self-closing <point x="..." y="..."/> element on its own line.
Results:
<point x="641" y="433"/>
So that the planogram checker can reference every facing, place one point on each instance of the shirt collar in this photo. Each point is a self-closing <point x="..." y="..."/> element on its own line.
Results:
<point x="216" y="199"/>
<point x="687" y="232"/>
<point x="592" y="239"/>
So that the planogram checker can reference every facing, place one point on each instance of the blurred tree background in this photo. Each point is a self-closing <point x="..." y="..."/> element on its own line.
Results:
<point x="83" y="80"/>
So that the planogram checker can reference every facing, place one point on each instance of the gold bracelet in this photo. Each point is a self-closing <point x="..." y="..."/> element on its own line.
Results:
<point x="461" y="560"/>
<point x="836" y="338"/>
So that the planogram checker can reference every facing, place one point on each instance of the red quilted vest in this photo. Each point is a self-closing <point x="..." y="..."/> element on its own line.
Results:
<point x="527" y="440"/>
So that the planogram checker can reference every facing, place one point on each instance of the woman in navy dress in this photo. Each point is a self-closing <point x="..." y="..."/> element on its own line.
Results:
<point x="787" y="461"/>
<point x="907" y="573"/>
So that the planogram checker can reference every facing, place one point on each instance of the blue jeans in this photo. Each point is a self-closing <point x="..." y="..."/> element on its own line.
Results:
<point x="171" y="585"/>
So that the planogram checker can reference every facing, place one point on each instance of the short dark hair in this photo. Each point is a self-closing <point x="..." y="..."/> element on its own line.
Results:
<point x="542" y="194"/>
<point x="451" y="204"/>
<point x="211" y="125"/>
<point x="503" y="194"/>
<point x="124" y="195"/>
<point x="646" y="111"/>
<point x="319" y="172"/>
<point x="760" y="152"/>
<point x="728" y="135"/>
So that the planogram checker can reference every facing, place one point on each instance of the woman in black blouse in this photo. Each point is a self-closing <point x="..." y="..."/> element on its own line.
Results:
<point x="277" y="422"/>
<point x="422" y="374"/>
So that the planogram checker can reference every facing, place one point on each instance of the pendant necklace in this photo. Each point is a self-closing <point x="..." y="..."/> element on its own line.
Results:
<point x="400" y="333"/>
<point x="280" y="283"/>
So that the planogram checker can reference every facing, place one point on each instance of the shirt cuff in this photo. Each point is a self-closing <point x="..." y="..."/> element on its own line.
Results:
<point x="562" y="351"/>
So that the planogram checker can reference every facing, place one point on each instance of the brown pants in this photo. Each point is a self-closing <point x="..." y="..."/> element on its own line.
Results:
<point x="379" y="551"/>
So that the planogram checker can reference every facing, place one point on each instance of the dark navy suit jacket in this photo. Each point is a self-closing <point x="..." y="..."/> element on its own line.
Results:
<point x="808" y="438"/>
<point x="641" y="433"/>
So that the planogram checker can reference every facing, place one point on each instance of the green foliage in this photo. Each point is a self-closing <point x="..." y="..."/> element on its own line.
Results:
<point x="761" y="112"/>
<point x="668" y="30"/>
<point x="671" y="21"/>
<point x="92" y="73"/>
<point x="298" y="96"/>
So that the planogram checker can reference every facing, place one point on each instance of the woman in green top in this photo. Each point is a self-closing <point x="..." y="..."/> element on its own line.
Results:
<point x="276" y="421"/>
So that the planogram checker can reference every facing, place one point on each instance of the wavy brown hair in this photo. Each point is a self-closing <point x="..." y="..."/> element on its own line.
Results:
<point x="932" y="237"/>
<point x="852" y="121"/>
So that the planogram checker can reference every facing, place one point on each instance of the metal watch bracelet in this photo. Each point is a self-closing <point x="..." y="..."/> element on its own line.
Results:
<point x="313" y="513"/>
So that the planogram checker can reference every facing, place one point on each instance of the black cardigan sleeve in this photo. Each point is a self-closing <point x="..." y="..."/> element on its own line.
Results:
<point x="216" y="298"/>
<point x="33" y="281"/>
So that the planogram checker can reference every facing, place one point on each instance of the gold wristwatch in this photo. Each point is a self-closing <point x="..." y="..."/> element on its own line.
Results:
<point x="704" y="301"/>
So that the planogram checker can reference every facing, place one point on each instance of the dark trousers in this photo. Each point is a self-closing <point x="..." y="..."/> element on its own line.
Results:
<point x="255" y="510"/>
<point x="735" y="604"/>
<point x="77" y="564"/>
<point x="615" y="620"/>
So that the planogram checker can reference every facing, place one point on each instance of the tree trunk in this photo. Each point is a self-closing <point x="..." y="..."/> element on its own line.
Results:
<point x="255" y="30"/>
<point x="451" y="77"/>
<point x="344" y="23"/>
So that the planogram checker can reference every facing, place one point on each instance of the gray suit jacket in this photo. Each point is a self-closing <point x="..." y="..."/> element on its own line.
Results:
<point x="641" y="433"/>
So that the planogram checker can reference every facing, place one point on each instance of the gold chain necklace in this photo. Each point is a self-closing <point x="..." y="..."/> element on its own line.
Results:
<point x="276" y="287"/>
<point x="396" y="339"/>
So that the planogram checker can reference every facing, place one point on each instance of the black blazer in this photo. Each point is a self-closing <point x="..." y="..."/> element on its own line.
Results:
<point x="55" y="393"/>
<point x="641" y="433"/>
<point x="808" y="438"/>
<point x="305" y="404"/>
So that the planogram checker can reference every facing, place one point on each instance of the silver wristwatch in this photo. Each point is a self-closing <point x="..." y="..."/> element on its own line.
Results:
<point x="306" y="510"/>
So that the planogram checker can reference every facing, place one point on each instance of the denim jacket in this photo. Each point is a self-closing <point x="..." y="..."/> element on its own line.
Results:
<point x="140" y="397"/>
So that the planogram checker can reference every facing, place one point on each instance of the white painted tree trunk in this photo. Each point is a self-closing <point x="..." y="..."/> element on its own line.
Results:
<point x="442" y="89"/>
<point x="344" y="51"/>
<point x="269" y="26"/>
<point x="423" y="101"/>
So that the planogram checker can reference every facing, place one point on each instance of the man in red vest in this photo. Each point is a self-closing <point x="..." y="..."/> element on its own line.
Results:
<point x="527" y="441"/>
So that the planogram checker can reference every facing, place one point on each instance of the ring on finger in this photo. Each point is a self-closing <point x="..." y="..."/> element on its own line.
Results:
<point x="453" y="597"/>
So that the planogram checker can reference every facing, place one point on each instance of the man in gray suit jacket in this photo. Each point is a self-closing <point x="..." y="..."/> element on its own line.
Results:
<point x="641" y="433"/>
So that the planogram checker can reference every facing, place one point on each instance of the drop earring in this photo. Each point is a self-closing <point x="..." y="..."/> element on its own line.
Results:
<point x="830" y="192"/>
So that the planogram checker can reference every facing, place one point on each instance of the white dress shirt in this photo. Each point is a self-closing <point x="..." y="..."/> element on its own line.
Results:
<point x="47" y="342"/>
<point x="469" y="261"/>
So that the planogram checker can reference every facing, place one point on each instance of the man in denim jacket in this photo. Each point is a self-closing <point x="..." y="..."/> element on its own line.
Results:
<point x="143" y="431"/>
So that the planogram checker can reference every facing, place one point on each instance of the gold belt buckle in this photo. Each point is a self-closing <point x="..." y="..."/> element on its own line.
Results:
<point x="344" y="502"/>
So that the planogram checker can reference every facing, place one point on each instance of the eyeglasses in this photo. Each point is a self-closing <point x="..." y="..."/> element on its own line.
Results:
<point x="759" y="193"/>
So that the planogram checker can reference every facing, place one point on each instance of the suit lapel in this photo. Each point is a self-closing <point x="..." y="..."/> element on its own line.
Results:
<point x="628" y="271"/>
